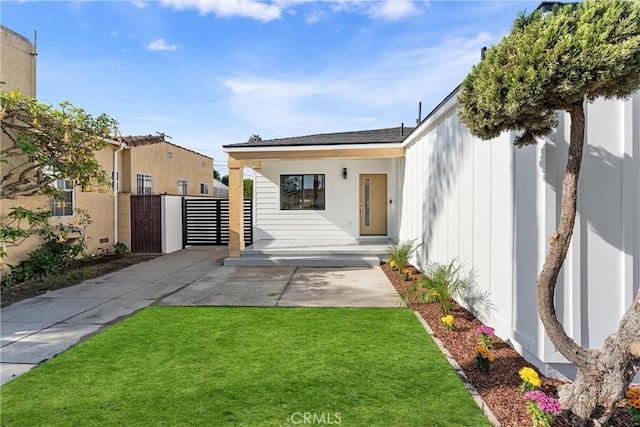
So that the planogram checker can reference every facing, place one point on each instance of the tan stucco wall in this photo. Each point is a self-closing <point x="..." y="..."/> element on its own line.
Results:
<point x="99" y="206"/>
<point x="152" y="159"/>
<point x="124" y="219"/>
<point x="17" y="63"/>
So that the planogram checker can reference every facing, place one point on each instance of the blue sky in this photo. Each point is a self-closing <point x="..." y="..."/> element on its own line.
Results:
<point x="214" y="72"/>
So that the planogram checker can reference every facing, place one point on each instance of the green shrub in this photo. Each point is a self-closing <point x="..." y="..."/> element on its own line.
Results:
<point x="400" y="253"/>
<point x="440" y="283"/>
<point x="120" y="248"/>
<point x="54" y="256"/>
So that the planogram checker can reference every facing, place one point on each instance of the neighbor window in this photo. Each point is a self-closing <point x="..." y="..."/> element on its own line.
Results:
<point x="182" y="187"/>
<point x="144" y="183"/>
<point x="64" y="205"/>
<point x="204" y="188"/>
<point x="302" y="192"/>
<point x="115" y="181"/>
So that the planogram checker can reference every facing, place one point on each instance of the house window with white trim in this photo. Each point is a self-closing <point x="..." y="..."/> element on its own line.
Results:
<point x="302" y="192"/>
<point x="63" y="206"/>
<point x="182" y="187"/>
<point x="144" y="183"/>
<point x="204" y="188"/>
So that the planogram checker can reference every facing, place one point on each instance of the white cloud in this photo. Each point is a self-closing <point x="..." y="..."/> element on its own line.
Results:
<point x="160" y="44"/>
<point x="375" y="93"/>
<point x="139" y="4"/>
<point x="227" y="8"/>
<point x="393" y="9"/>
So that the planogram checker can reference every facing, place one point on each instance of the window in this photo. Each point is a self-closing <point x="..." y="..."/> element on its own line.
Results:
<point x="302" y="192"/>
<point x="115" y="181"/>
<point x="144" y="183"/>
<point x="182" y="187"/>
<point x="204" y="188"/>
<point x="63" y="206"/>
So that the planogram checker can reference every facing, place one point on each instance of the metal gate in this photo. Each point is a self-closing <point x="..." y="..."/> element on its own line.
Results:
<point x="206" y="222"/>
<point x="146" y="224"/>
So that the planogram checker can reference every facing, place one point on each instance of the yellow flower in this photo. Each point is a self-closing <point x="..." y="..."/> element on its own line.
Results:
<point x="447" y="320"/>
<point x="530" y="376"/>
<point x="393" y="265"/>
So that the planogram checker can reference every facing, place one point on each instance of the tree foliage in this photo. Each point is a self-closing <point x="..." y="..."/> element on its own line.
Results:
<point x="547" y="63"/>
<point x="44" y="144"/>
<point x="553" y="62"/>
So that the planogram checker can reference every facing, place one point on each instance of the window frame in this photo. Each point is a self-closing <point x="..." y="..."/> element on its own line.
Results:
<point x="144" y="179"/>
<point x="204" y="186"/>
<point x="63" y="207"/>
<point x="183" y="187"/>
<point x="302" y="206"/>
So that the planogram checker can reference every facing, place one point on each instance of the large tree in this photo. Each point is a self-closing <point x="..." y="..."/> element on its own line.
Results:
<point x="548" y="63"/>
<point x="39" y="145"/>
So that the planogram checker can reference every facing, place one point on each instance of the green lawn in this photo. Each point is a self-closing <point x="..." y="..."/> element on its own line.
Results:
<point x="247" y="367"/>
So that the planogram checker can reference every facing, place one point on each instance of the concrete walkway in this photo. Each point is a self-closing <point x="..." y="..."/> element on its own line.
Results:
<point x="34" y="330"/>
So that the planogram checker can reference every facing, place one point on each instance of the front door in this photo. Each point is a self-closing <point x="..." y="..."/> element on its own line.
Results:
<point x="373" y="204"/>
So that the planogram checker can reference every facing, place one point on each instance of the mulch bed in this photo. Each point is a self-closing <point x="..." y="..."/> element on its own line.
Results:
<point x="500" y="387"/>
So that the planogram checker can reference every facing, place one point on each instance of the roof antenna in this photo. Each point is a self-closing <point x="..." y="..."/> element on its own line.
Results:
<point x="419" y="113"/>
<point x="402" y="129"/>
<point x="163" y="136"/>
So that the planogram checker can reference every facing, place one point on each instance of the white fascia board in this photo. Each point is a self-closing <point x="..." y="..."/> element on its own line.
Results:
<point x="279" y="148"/>
<point x="432" y="119"/>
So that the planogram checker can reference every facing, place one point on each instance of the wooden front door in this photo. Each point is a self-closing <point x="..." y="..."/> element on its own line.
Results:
<point x="373" y="204"/>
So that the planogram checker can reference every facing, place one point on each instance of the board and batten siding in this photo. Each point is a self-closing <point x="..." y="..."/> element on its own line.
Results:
<point x="339" y="219"/>
<point x="492" y="206"/>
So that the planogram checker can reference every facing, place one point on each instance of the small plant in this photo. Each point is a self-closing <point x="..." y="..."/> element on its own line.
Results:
<point x="400" y="253"/>
<point x="393" y="265"/>
<point x="530" y="379"/>
<point x="485" y="335"/>
<point x="633" y="403"/>
<point x="444" y="281"/>
<point x="542" y="408"/>
<point x="120" y="248"/>
<point x="406" y="274"/>
<point x="484" y="358"/>
<point x="447" y="321"/>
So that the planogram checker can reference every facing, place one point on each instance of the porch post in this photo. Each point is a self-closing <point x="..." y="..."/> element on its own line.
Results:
<point x="236" y="207"/>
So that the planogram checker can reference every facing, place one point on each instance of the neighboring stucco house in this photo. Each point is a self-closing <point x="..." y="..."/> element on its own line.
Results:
<point x="18" y="71"/>
<point x="153" y="165"/>
<point x="486" y="203"/>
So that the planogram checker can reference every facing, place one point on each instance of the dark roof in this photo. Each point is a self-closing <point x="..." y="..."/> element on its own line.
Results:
<point x="378" y="136"/>
<point x="137" y="140"/>
<point x="140" y="140"/>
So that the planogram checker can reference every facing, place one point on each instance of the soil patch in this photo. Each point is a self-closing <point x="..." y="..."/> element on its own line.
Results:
<point x="95" y="267"/>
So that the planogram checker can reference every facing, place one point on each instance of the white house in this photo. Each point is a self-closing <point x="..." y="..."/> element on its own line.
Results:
<point x="488" y="204"/>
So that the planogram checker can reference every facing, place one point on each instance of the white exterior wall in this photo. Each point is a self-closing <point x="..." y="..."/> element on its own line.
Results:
<point x="339" y="220"/>
<point x="493" y="206"/>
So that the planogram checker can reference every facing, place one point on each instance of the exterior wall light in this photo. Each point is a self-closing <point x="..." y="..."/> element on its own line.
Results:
<point x="344" y="173"/>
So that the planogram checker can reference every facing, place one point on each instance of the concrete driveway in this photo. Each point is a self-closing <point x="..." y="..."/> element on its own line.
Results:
<point x="35" y="330"/>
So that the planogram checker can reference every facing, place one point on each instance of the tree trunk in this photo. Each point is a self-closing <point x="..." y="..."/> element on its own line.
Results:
<point x="603" y="375"/>
<point x="592" y="397"/>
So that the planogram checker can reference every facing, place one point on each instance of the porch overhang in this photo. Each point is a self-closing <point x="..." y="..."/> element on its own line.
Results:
<point x="239" y="157"/>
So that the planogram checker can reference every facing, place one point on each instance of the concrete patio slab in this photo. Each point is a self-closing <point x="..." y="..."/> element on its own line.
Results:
<point x="9" y="371"/>
<point x="15" y="331"/>
<point x="45" y="344"/>
<point x="49" y="310"/>
<point x="340" y="287"/>
<point x="242" y="294"/>
<point x="110" y="311"/>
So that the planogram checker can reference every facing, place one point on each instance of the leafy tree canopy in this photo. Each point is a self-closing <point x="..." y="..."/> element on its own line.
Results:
<point x="42" y="144"/>
<point x="553" y="62"/>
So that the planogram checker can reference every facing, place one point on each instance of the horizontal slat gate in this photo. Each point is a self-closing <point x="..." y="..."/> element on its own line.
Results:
<point x="206" y="221"/>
